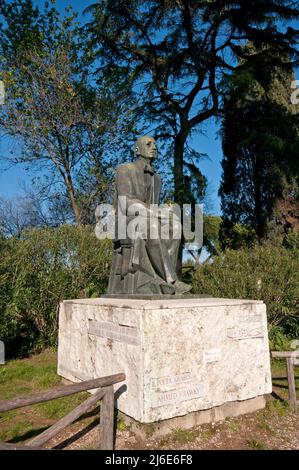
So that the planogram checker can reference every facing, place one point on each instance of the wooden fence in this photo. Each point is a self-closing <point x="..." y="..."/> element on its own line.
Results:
<point x="104" y="392"/>
<point x="291" y="358"/>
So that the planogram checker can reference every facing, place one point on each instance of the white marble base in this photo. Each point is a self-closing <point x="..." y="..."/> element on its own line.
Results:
<point x="179" y="355"/>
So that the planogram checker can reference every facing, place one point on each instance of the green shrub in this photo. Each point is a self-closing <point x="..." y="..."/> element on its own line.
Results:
<point x="265" y="273"/>
<point x="40" y="270"/>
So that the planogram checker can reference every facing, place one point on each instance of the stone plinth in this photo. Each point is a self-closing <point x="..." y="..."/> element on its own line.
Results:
<point x="179" y="355"/>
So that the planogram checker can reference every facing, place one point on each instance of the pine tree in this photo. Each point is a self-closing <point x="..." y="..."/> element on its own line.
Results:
<point x="260" y="144"/>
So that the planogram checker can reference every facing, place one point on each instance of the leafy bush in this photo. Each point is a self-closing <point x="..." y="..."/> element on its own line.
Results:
<point x="40" y="270"/>
<point x="47" y="266"/>
<point x="265" y="273"/>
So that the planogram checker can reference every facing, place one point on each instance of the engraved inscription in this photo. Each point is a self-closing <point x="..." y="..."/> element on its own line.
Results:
<point x="244" y="333"/>
<point x="247" y="325"/>
<point x="170" y="381"/>
<point x="68" y="308"/>
<point x="248" y="317"/>
<point x="212" y="355"/>
<point x="123" y="334"/>
<point x="177" y="396"/>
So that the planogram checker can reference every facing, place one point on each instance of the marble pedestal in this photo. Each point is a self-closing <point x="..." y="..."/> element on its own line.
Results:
<point x="180" y="356"/>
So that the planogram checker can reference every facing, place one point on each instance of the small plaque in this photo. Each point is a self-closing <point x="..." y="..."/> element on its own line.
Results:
<point x="170" y="381"/>
<point x="176" y="396"/>
<point x="248" y="317"/>
<point x="121" y="333"/>
<point x="244" y="333"/>
<point x="211" y="355"/>
<point x="68" y="309"/>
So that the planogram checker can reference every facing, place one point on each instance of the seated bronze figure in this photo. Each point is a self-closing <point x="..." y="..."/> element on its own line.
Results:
<point x="145" y="264"/>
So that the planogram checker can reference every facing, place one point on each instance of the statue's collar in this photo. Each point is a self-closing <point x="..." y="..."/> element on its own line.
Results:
<point x="147" y="168"/>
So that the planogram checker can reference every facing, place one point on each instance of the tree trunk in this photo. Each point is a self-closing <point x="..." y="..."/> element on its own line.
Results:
<point x="75" y="207"/>
<point x="258" y="206"/>
<point x="65" y="172"/>
<point x="179" y="145"/>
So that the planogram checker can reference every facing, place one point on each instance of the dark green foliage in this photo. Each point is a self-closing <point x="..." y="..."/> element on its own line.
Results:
<point x="40" y="270"/>
<point x="236" y="236"/>
<point x="260" y="141"/>
<point x="24" y="28"/>
<point x="263" y="272"/>
<point x="211" y="226"/>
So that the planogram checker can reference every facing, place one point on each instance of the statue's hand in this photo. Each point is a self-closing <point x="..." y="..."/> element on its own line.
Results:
<point x="138" y="208"/>
<point x="167" y="211"/>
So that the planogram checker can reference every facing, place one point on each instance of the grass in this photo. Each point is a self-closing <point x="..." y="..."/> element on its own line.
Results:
<point x="121" y="424"/>
<point x="255" y="444"/>
<point x="208" y="432"/>
<point x="281" y="408"/>
<point x="25" y="376"/>
<point x="232" y="426"/>
<point x="265" y="426"/>
<point x="183" y="436"/>
<point x="179" y="436"/>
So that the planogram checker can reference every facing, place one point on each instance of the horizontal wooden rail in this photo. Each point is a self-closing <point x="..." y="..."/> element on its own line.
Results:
<point x="60" y="392"/>
<point x="284" y="354"/>
<point x="10" y="446"/>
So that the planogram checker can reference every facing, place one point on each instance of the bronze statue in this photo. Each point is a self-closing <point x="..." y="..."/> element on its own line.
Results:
<point x="144" y="265"/>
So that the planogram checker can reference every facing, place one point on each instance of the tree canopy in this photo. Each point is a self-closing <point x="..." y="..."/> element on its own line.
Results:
<point x="177" y="54"/>
<point x="66" y="126"/>
<point x="260" y="137"/>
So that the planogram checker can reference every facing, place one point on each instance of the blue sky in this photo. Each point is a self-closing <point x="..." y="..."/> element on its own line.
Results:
<point x="11" y="181"/>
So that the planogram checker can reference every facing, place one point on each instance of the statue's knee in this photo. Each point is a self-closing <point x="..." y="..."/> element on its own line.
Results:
<point x="153" y="232"/>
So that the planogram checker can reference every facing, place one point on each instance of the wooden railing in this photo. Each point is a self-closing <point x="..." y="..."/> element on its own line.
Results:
<point x="292" y="359"/>
<point x="104" y="392"/>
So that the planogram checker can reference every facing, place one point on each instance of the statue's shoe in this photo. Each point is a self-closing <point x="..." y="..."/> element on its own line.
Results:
<point x="181" y="287"/>
<point x="168" y="289"/>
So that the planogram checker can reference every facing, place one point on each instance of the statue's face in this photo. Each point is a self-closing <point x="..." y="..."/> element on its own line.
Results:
<point x="146" y="147"/>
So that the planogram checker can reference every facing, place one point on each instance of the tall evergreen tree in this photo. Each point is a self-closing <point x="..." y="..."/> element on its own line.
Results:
<point x="260" y="144"/>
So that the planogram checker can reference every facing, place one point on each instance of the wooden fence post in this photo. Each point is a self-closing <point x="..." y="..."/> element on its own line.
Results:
<point x="107" y="419"/>
<point x="292" y="387"/>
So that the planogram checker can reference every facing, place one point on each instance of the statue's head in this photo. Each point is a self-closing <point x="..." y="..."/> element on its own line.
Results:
<point x="146" y="147"/>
